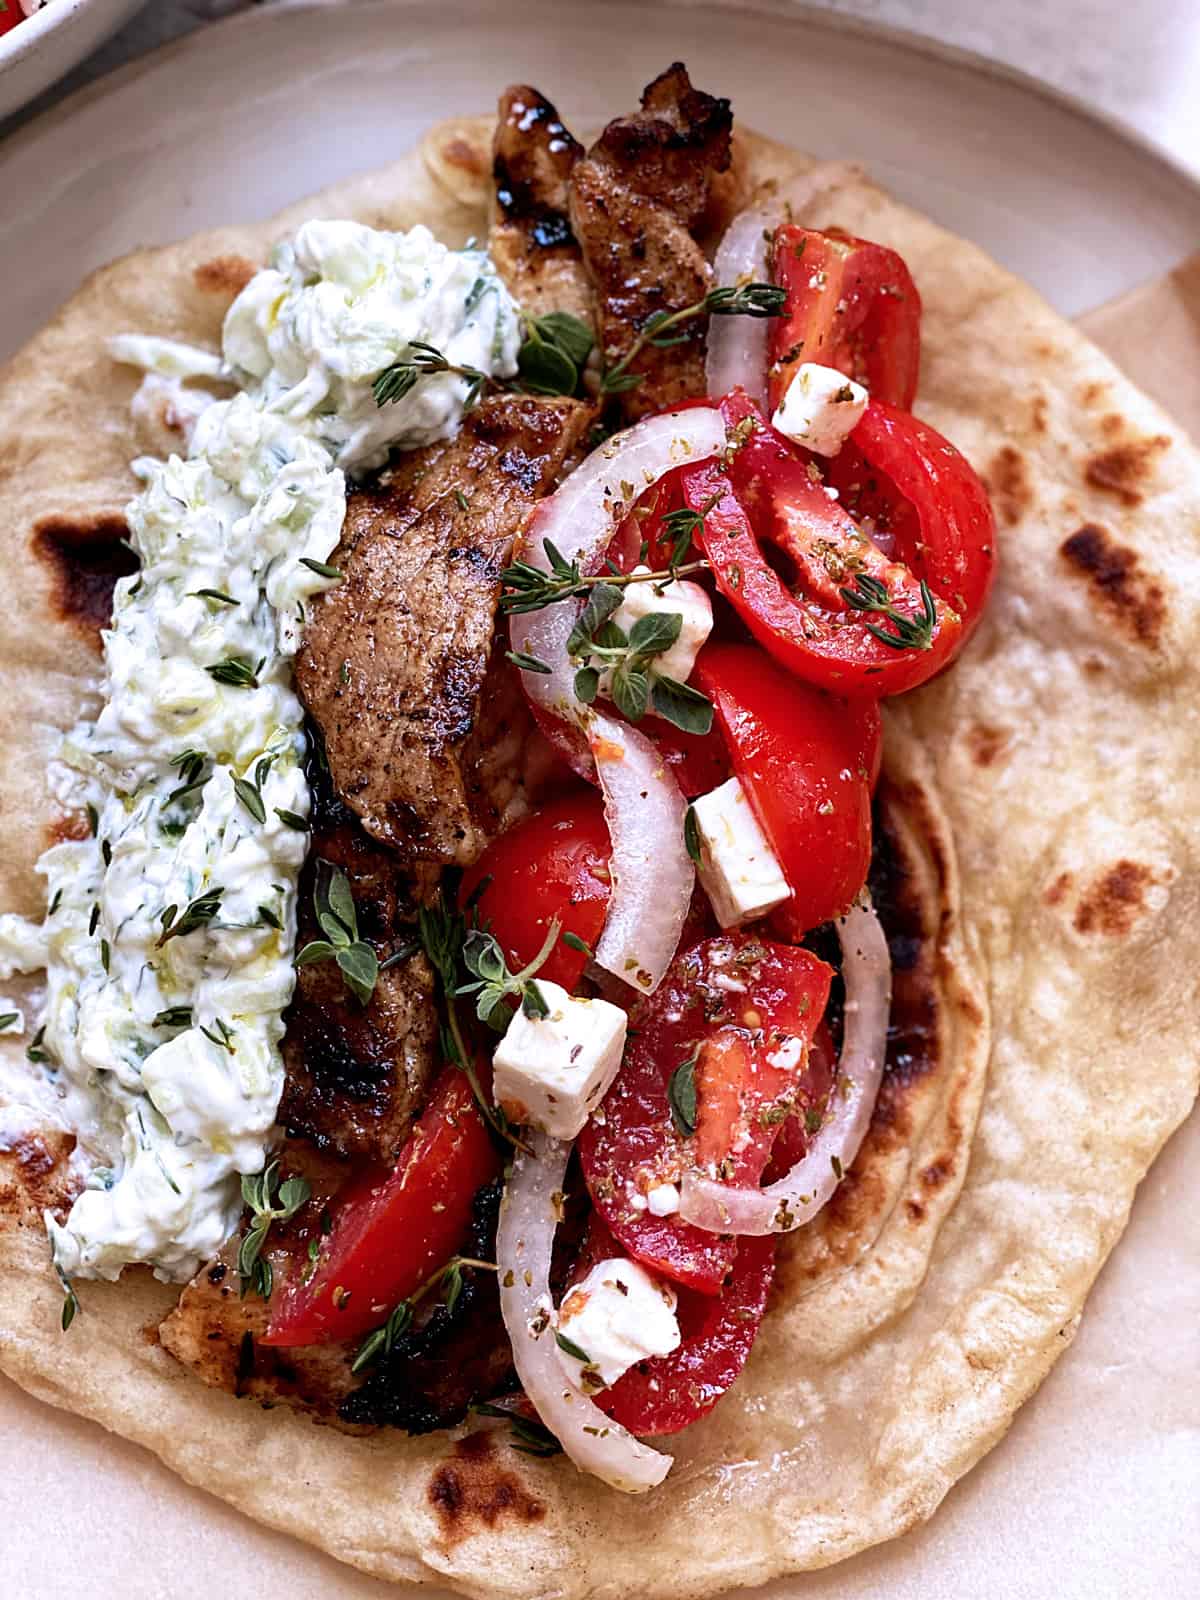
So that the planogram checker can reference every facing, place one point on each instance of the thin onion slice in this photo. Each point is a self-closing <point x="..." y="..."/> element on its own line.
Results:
<point x="652" y="873"/>
<point x="529" y="1215"/>
<point x="580" y="519"/>
<point x="797" y="1198"/>
<point x="737" y="346"/>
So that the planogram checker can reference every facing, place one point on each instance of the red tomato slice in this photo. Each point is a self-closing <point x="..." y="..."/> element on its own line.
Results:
<point x="390" y="1230"/>
<point x="10" y="16"/>
<point x="908" y="478"/>
<point x="734" y="987"/>
<point x="851" y="305"/>
<point x="700" y="761"/>
<point x="644" y="538"/>
<point x="772" y="493"/>
<point x="552" y="864"/>
<point x="666" y="1393"/>
<point x="795" y="1133"/>
<point x="808" y="763"/>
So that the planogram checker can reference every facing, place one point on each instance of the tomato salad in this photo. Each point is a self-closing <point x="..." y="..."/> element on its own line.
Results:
<point x="705" y="617"/>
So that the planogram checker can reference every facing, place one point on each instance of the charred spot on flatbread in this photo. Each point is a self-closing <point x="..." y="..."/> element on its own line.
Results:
<point x="35" y="1175"/>
<point x="474" y="1489"/>
<point x="1125" y="470"/>
<point x="1123" y="589"/>
<point x="84" y="557"/>
<point x="224" y="275"/>
<point x="1009" y="485"/>
<point x="1117" y="900"/>
<point x="987" y="743"/>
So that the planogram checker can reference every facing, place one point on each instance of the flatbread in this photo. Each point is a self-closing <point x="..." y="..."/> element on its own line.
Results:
<point x="1051" y="896"/>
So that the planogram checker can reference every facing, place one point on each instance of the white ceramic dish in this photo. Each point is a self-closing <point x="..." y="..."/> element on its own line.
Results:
<point x="48" y="44"/>
<point x="242" y="117"/>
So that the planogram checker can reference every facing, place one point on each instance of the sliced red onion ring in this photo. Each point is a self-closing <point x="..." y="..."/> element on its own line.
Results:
<point x="795" y="1199"/>
<point x="579" y="519"/>
<point x="737" y="346"/>
<point x="652" y="873"/>
<point x="529" y="1216"/>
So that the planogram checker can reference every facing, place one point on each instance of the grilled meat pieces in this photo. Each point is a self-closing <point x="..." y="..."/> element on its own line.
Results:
<point x="531" y="242"/>
<point x="356" y="1076"/>
<point x="638" y="200"/>
<point x="421" y="737"/>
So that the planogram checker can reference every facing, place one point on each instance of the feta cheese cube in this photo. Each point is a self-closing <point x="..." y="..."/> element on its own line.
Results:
<point x="616" y="1316"/>
<point x="663" y="1199"/>
<point x="738" y="868"/>
<point x="821" y="408"/>
<point x="692" y="605"/>
<point x="553" y="1071"/>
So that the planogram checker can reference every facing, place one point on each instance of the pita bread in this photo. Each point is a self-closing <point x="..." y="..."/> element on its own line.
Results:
<point x="1049" y="895"/>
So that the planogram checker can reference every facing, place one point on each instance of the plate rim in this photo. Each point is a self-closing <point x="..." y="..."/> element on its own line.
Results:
<point x="800" y="12"/>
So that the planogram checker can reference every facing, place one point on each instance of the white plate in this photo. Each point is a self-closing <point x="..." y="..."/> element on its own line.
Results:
<point x="238" y="119"/>
<point x="47" y="45"/>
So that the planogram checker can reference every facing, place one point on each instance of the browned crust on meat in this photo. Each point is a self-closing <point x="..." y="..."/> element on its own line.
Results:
<point x="531" y="240"/>
<point x="638" y="201"/>
<point x="396" y="657"/>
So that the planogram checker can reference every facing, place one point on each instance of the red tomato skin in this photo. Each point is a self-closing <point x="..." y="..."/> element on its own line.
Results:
<point x="12" y="17"/>
<point x="634" y="1134"/>
<point x="808" y="763"/>
<point x="386" y="1237"/>
<point x="666" y="1393"/>
<point x="771" y="492"/>
<point x="853" y="305"/>
<point x="700" y="762"/>
<point x="953" y="545"/>
<point x="552" y="864"/>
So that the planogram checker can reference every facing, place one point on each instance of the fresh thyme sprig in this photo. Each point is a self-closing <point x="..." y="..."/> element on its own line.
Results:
<point x="529" y="588"/>
<point x="530" y="1437"/>
<point x="424" y="361"/>
<point x="267" y="1204"/>
<point x="70" y="1305"/>
<point x="238" y="672"/>
<point x="250" y="792"/>
<point x="912" y="633"/>
<point x="196" y="914"/>
<point x="739" y="300"/>
<point x="338" y="921"/>
<point x="448" y="1278"/>
<point x="484" y="959"/>
<point x="442" y="930"/>
<point x="635" y="683"/>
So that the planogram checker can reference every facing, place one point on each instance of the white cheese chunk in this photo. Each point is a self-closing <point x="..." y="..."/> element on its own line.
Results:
<point x="663" y="1199"/>
<point x="616" y="1316"/>
<point x="553" y="1071"/>
<point x="687" y="600"/>
<point x="738" y="868"/>
<point x="821" y="408"/>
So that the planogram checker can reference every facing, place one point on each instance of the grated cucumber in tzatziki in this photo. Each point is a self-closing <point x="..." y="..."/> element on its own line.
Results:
<point x="168" y="940"/>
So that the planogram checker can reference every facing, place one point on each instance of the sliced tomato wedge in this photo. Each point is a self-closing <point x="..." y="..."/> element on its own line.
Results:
<point x="700" y="761"/>
<point x="392" y="1228"/>
<point x="851" y="305"/>
<point x="808" y="763"/>
<point x="666" y="1393"/>
<point x="10" y="16"/>
<point x="742" y="1011"/>
<point x="552" y="864"/>
<point x="922" y="495"/>
<point x="897" y="635"/>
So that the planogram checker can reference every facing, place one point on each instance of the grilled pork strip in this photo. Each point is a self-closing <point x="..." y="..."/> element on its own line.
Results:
<point x="530" y="238"/>
<point x="357" y="1076"/>
<point x="638" y="199"/>
<point x="396" y="658"/>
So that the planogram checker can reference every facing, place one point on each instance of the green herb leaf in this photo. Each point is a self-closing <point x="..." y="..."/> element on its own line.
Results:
<point x="681" y="1095"/>
<point x="33" y="1050"/>
<point x="911" y="633"/>
<point x="533" y="1002"/>
<point x="321" y="568"/>
<point x="545" y="369"/>
<point x="266" y="1206"/>
<point x="315" y="950"/>
<point x="360" y="968"/>
<point x="572" y="336"/>
<point x="527" y="663"/>
<point x="571" y="1348"/>
<point x="251" y="798"/>
<point x="173" y="1017"/>
<point x="270" y="918"/>
<point x="681" y="705"/>
<point x="587" y="685"/>
<point x="292" y="819"/>
<point x="631" y="692"/>
<point x="576" y="943"/>
<point x="532" y="1438"/>
<point x="691" y="834"/>
<point x="651" y="635"/>
<point x="8" y="1018"/>
<point x="195" y="915"/>
<point x="601" y="603"/>
<point x="238" y="672"/>
<point x="380" y="1343"/>
<point x="217" y="595"/>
